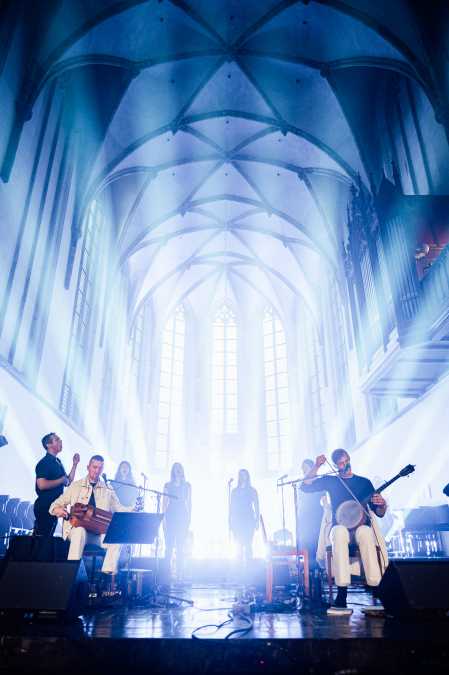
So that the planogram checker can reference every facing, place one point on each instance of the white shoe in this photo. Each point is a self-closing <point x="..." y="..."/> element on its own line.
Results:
<point x="339" y="611"/>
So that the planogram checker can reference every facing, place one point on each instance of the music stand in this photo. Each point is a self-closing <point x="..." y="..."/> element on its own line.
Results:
<point x="138" y="528"/>
<point x="133" y="528"/>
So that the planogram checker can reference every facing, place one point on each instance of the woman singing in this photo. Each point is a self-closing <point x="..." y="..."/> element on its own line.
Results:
<point x="177" y="513"/>
<point x="244" y="514"/>
<point x="127" y="494"/>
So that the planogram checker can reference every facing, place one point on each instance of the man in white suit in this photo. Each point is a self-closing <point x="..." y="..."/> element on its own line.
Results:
<point x="89" y="490"/>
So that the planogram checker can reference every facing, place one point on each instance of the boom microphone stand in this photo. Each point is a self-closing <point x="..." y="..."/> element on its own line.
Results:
<point x="157" y="592"/>
<point x="280" y="483"/>
<point x="296" y="485"/>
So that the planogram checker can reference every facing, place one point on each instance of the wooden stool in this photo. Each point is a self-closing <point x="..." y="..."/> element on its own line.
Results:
<point x="354" y="552"/>
<point x="290" y="553"/>
<point x="93" y="551"/>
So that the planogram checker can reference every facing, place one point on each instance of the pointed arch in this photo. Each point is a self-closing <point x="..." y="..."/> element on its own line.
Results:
<point x="170" y="421"/>
<point x="277" y="402"/>
<point x="224" y="402"/>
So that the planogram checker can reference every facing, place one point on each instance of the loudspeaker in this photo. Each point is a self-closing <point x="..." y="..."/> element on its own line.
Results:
<point x="414" y="586"/>
<point x="46" y="588"/>
<point x="43" y="549"/>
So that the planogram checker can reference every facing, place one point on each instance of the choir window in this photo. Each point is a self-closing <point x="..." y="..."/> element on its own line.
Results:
<point x="170" y="414"/>
<point x="277" y="413"/>
<point x="224" y="372"/>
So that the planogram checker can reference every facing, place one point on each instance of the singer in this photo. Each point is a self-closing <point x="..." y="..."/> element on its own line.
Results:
<point x="244" y="515"/>
<point x="127" y="494"/>
<point x="177" y="518"/>
<point x="89" y="490"/>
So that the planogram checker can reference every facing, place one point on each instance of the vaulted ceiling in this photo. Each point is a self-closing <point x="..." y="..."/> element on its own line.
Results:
<point x="213" y="134"/>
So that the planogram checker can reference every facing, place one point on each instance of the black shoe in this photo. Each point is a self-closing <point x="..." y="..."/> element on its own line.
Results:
<point x="339" y="607"/>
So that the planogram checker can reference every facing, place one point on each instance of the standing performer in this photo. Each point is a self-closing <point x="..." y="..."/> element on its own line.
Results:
<point x="51" y="479"/>
<point x="127" y="494"/>
<point x="177" y="515"/>
<point x="364" y="535"/>
<point x="90" y="490"/>
<point x="310" y="516"/>
<point x="244" y="515"/>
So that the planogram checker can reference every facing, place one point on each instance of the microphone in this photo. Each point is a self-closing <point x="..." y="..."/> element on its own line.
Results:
<point x="104" y="477"/>
<point x="346" y="468"/>
<point x="231" y="480"/>
<point x="144" y="475"/>
<point x="282" y="477"/>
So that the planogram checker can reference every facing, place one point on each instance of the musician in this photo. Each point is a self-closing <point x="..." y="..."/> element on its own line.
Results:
<point x="177" y="515"/>
<point x="127" y="494"/>
<point x="244" y="515"/>
<point x="365" y="536"/>
<point x="310" y="516"/>
<point x="94" y="491"/>
<point x="51" y="479"/>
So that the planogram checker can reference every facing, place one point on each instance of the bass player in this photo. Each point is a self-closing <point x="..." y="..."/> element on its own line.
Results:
<point x="343" y="487"/>
<point x="91" y="490"/>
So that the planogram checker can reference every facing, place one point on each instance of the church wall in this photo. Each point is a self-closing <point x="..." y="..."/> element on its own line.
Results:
<point x="10" y="81"/>
<point x="28" y="418"/>
<point x="417" y="436"/>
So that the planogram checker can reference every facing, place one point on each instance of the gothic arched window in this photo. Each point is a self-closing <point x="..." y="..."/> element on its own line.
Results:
<point x="170" y="427"/>
<point x="277" y="413"/>
<point x="224" y="372"/>
<point x="77" y="371"/>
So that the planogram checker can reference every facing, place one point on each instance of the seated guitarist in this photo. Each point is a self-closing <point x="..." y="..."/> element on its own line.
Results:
<point x="364" y="535"/>
<point x="94" y="491"/>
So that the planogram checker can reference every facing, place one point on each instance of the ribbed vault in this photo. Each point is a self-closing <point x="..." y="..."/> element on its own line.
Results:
<point x="219" y="148"/>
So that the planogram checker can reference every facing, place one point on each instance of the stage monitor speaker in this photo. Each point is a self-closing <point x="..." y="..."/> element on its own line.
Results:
<point x="44" y="588"/>
<point x="24" y="548"/>
<point x="413" y="586"/>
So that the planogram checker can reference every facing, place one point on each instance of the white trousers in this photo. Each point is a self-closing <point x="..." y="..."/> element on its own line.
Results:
<point x="79" y="537"/>
<point x="364" y="537"/>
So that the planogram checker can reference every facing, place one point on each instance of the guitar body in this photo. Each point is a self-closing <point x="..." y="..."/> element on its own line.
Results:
<point x="353" y="514"/>
<point x="91" y="518"/>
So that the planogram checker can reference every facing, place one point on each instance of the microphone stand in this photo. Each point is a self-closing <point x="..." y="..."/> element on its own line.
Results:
<point x="158" y="494"/>
<point x="144" y="476"/>
<point x="142" y="489"/>
<point x="281" y="485"/>
<point x="295" y="485"/>
<point x="229" y="510"/>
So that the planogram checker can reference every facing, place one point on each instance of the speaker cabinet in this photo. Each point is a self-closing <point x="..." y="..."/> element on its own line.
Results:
<point x="41" y="549"/>
<point x="414" y="586"/>
<point x="46" y="588"/>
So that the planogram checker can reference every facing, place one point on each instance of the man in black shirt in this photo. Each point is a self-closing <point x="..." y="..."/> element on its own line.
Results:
<point x="309" y="516"/>
<point x="51" y="479"/>
<point x="340" y="488"/>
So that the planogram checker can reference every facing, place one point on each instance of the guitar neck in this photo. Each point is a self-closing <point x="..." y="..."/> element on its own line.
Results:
<point x="387" y="483"/>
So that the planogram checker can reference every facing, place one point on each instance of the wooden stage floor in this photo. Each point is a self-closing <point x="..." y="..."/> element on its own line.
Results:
<point x="151" y="639"/>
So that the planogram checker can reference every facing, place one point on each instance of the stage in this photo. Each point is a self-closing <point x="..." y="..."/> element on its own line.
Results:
<point x="151" y="639"/>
